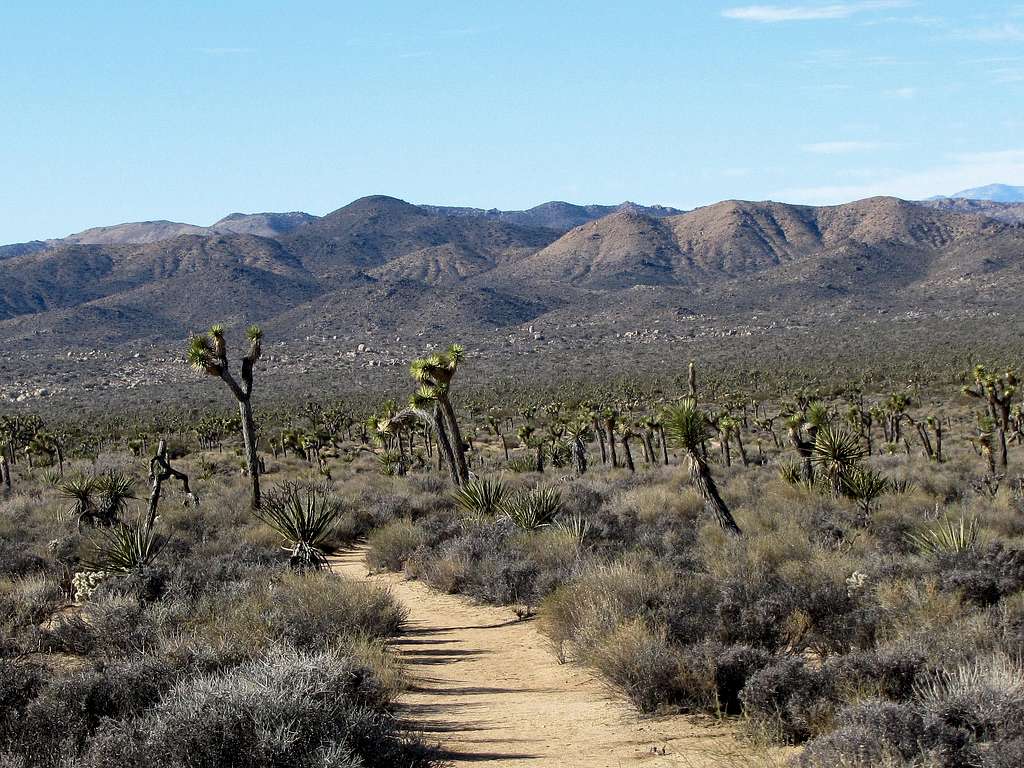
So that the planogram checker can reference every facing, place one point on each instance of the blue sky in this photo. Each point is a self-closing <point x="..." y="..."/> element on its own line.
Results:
<point x="187" y="110"/>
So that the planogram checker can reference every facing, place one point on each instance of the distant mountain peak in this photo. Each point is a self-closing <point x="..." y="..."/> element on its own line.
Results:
<point x="995" y="193"/>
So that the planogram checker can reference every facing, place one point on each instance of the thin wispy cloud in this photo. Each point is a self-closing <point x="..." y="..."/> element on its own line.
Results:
<point x="841" y="147"/>
<point x="774" y="14"/>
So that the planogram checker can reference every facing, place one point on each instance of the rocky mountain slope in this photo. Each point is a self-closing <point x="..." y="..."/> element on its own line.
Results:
<point x="1009" y="212"/>
<point x="383" y="265"/>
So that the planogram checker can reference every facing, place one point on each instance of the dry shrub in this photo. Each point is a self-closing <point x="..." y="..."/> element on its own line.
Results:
<point x="639" y="663"/>
<point x="391" y="545"/>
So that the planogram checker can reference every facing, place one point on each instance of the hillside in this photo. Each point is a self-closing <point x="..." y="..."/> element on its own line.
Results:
<point x="1012" y="213"/>
<point x="556" y="215"/>
<point x="712" y="246"/>
<point x="405" y="275"/>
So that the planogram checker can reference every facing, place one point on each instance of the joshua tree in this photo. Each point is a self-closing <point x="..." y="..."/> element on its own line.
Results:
<point x="691" y="379"/>
<point x="160" y="470"/>
<point x="804" y="447"/>
<point x="925" y="430"/>
<point x="424" y="401"/>
<point x="209" y="354"/>
<point x="595" y="420"/>
<point x="861" y="419"/>
<point x="729" y="428"/>
<point x="837" y="452"/>
<point x="687" y="425"/>
<point x="434" y="375"/>
<point x="812" y="417"/>
<point x="998" y="392"/>
<point x="610" y="418"/>
<point x="579" y="434"/>
<point x="627" y="433"/>
<point x="495" y="424"/>
<point x="985" y="442"/>
<point x="893" y="414"/>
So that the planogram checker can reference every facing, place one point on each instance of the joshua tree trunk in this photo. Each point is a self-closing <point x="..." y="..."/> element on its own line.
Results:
<point x="579" y="454"/>
<point x="252" y="462"/>
<point x="457" y="444"/>
<point x="740" y="448"/>
<point x="628" y="455"/>
<point x="445" y="446"/>
<point x="599" y="431"/>
<point x="160" y="470"/>
<point x="691" y="380"/>
<point x="664" y="445"/>
<point x="701" y="478"/>
<point x="804" y="448"/>
<point x="649" y="447"/>
<point x="609" y="428"/>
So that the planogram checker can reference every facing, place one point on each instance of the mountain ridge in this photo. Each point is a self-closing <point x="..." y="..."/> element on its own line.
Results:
<point x="386" y="263"/>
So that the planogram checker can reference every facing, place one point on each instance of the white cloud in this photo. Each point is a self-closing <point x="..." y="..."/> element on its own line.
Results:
<point x="961" y="171"/>
<point x="840" y="147"/>
<point x="772" y="14"/>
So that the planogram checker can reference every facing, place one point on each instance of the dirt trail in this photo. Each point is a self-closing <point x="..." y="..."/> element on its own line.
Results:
<point x="486" y="687"/>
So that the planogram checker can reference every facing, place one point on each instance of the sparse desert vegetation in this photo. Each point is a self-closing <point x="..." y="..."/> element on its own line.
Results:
<point x="840" y="571"/>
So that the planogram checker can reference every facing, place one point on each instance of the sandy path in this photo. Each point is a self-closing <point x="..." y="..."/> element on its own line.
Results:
<point x="486" y="686"/>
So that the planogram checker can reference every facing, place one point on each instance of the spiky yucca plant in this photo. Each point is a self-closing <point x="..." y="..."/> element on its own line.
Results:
<point x="116" y="490"/>
<point x="865" y="486"/>
<point x="950" y="536"/>
<point x="520" y="464"/>
<point x="836" y="452"/>
<point x="575" y="527"/>
<point x="483" y="497"/>
<point x="390" y="463"/>
<point x="125" y="548"/>
<point x="80" y="490"/>
<point x="533" y="509"/>
<point x="96" y="500"/>
<point x="305" y="516"/>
